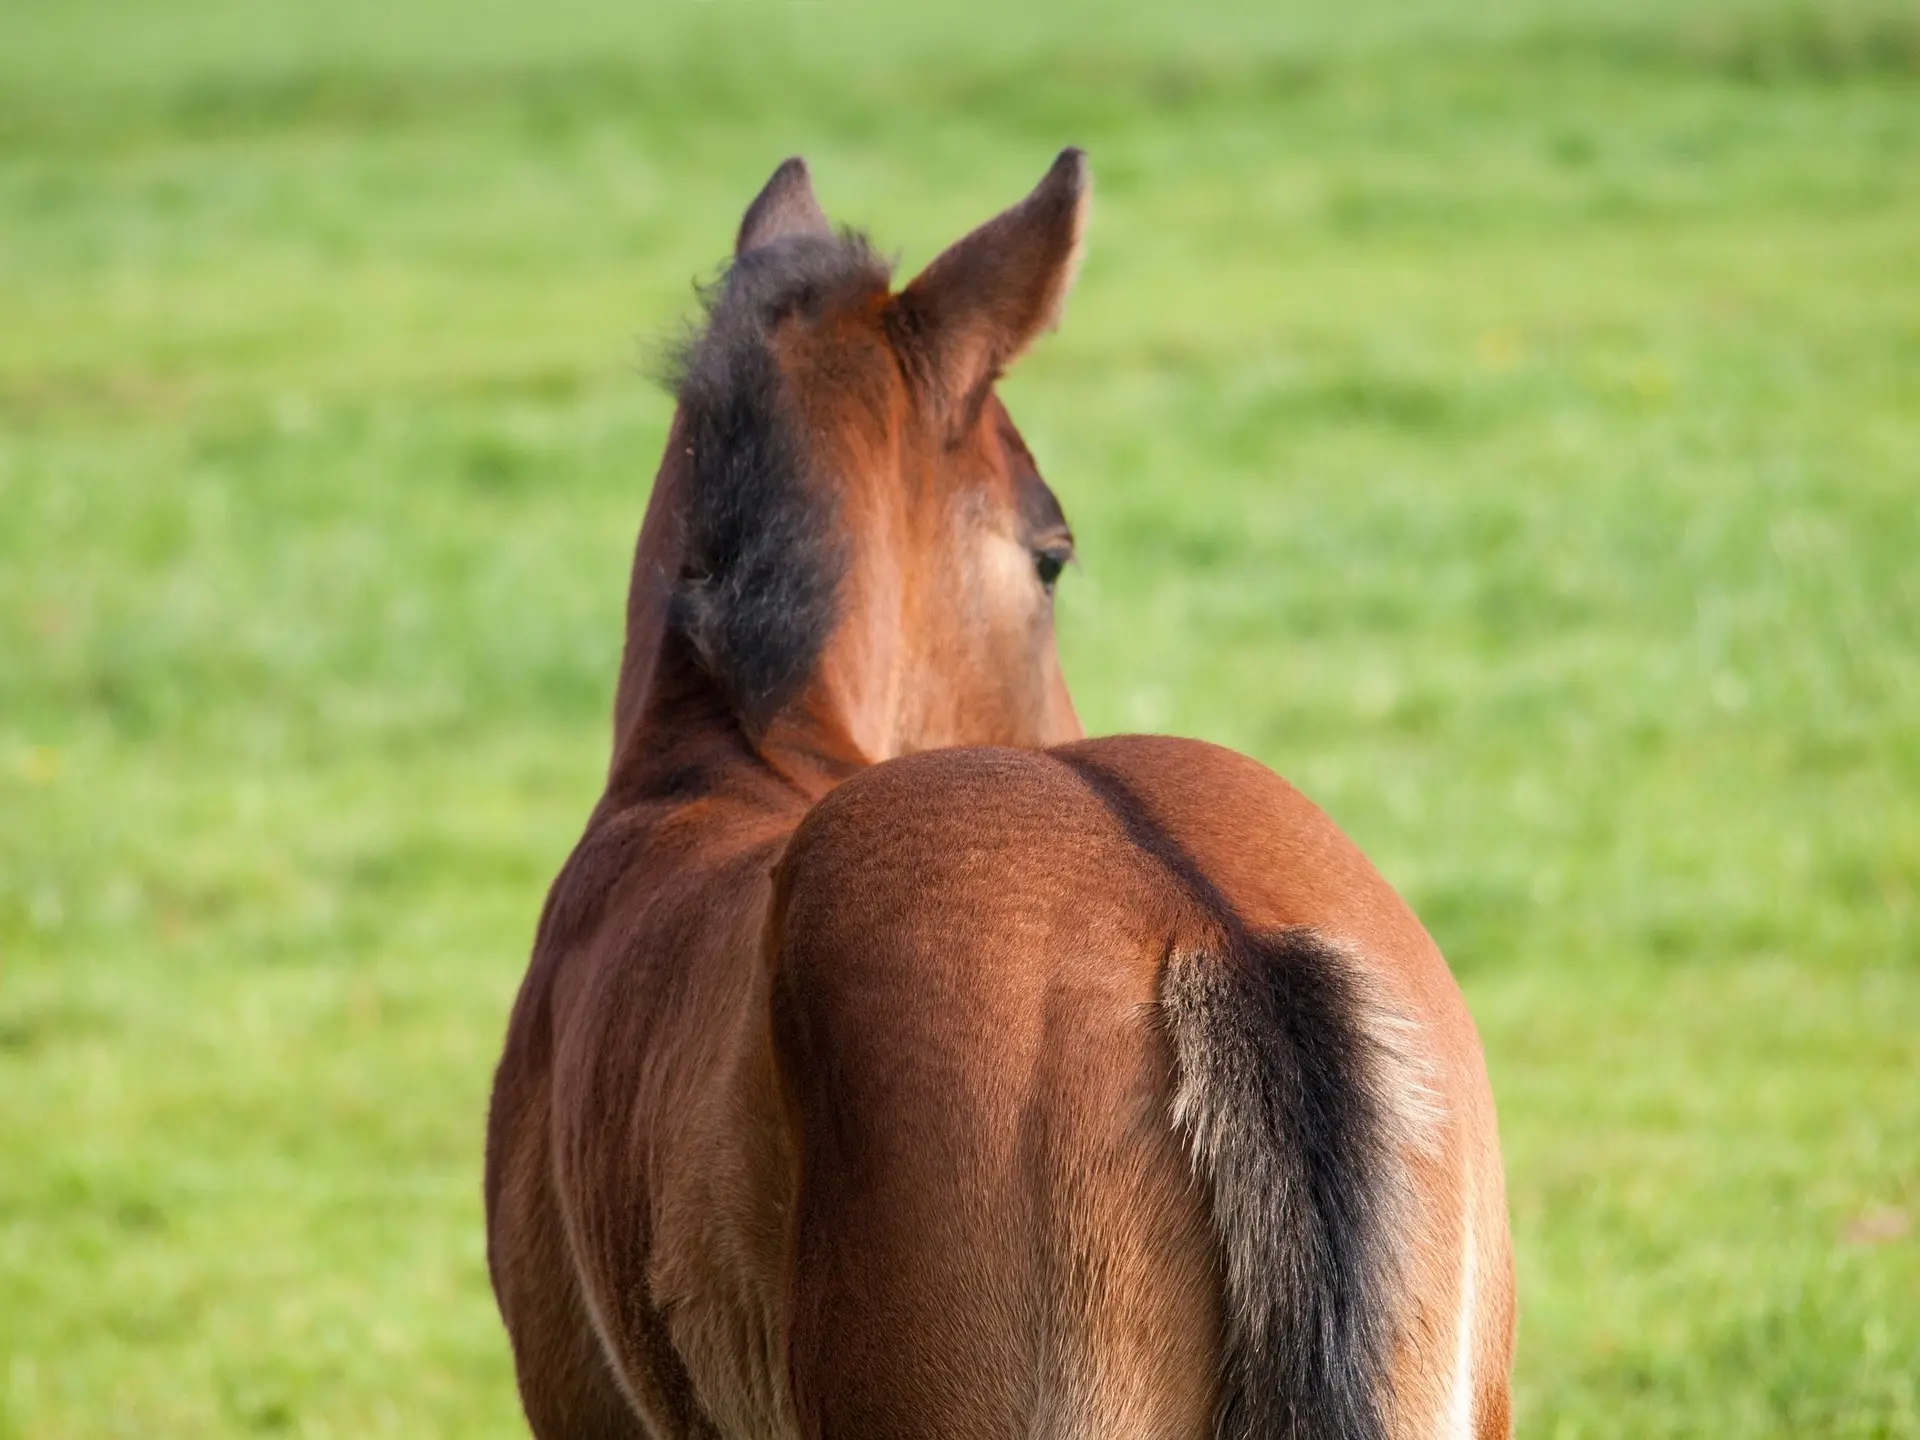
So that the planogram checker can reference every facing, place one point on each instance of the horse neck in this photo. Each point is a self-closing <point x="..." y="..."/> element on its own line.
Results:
<point x="656" y="561"/>
<point x="669" y="715"/>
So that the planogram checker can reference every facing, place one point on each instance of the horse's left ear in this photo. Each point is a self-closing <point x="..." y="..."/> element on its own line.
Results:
<point x="976" y="308"/>
<point x="785" y="207"/>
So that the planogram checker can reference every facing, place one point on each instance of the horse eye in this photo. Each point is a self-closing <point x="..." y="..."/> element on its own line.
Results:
<point x="1050" y="562"/>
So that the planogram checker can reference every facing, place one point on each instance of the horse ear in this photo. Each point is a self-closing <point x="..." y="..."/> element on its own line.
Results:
<point x="982" y="302"/>
<point x="784" y="208"/>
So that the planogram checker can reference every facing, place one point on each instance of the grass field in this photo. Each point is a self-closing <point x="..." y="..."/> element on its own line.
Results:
<point x="1504" y="423"/>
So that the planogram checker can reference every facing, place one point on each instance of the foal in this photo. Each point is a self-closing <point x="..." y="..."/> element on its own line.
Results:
<point x="863" y="1087"/>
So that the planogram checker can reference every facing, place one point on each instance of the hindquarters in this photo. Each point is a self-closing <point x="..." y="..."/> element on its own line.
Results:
<point x="997" y="1232"/>
<point x="1331" y="1085"/>
<point x="1100" y="1136"/>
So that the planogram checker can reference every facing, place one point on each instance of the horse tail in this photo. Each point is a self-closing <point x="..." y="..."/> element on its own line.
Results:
<point x="1289" y="1092"/>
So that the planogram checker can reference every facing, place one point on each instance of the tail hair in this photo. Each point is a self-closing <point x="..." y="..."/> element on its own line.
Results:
<point x="1285" y="1097"/>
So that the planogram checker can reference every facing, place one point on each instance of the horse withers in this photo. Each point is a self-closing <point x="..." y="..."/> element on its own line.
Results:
<point x="895" y="1062"/>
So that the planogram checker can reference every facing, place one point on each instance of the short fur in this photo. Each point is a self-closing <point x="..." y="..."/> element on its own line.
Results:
<point x="762" y="561"/>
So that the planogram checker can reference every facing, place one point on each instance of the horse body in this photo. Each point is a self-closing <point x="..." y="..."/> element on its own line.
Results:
<point x="862" y="1087"/>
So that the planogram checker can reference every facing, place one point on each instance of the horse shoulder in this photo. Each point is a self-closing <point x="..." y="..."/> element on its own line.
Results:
<point x="643" y="1042"/>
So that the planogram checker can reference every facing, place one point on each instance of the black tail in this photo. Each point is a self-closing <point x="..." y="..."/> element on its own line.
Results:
<point x="1280" y="1097"/>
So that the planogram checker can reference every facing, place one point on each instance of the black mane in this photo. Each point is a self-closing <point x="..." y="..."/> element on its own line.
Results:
<point x="756" y="596"/>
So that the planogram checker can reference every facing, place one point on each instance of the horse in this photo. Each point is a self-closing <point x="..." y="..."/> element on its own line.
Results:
<point x="894" y="1061"/>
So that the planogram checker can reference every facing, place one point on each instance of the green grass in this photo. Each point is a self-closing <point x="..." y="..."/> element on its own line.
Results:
<point x="1505" y="421"/>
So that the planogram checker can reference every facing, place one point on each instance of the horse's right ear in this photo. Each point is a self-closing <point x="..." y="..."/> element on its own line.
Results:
<point x="982" y="302"/>
<point x="785" y="207"/>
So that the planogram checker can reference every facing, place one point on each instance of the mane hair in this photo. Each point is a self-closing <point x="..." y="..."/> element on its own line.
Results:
<point x="756" y="596"/>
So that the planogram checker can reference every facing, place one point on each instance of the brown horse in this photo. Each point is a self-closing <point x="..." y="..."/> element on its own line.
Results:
<point x="864" y="1087"/>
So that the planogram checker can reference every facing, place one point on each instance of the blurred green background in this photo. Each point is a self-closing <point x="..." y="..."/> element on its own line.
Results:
<point x="1503" y="421"/>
